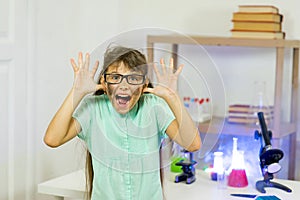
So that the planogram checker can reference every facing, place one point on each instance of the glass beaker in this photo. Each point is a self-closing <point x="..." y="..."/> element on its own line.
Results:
<point x="260" y="103"/>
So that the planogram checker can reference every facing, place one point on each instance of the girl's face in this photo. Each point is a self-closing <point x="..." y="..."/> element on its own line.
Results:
<point x="122" y="95"/>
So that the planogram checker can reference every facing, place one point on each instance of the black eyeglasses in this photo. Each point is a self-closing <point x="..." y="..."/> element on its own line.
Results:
<point x="132" y="79"/>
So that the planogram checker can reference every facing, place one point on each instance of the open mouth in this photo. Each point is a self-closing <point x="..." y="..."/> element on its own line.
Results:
<point x="123" y="100"/>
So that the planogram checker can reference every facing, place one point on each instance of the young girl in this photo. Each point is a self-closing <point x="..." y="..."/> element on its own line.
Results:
<point x="124" y="123"/>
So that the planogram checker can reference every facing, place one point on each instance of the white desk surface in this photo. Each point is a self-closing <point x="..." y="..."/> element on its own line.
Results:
<point x="73" y="186"/>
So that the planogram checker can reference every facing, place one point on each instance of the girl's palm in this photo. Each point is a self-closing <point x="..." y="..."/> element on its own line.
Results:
<point x="167" y="78"/>
<point x="83" y="78"/>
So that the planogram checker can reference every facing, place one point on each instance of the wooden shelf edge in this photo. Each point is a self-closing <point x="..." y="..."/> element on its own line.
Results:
<point x="222" y="41"/>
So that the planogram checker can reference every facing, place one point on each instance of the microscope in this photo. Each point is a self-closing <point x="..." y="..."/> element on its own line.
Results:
<point x="188" y="170"/>
<point x="268" y="157"/>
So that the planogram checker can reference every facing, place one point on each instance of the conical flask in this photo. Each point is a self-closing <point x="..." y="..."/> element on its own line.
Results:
<point x="237" y="176"/>
<point x="234" y="152"/>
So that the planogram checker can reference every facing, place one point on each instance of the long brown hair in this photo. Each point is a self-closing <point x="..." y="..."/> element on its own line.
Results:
<point x="131" y="58"/>
<point x="89" y="174"/>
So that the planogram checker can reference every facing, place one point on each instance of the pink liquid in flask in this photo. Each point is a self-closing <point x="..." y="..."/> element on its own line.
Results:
<point x="237" y="178"/>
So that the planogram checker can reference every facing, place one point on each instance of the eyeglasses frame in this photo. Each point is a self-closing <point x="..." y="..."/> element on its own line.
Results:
<point x="126" y="77"/>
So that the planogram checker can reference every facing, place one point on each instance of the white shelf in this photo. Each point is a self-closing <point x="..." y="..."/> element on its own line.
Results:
<point x="280" y="129"/>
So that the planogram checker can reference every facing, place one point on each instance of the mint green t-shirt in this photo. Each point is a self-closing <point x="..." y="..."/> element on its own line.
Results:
<point x="124" y="147"/>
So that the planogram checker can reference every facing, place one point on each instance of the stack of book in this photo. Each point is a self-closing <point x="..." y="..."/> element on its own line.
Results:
<point x="257" y="21"/>
<point x="247" y="114"/>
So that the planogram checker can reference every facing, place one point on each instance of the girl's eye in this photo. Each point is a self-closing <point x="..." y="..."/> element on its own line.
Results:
<point x="115" y="77"/>
<point x="136" y="79"/>
<point x="133" y="78"/>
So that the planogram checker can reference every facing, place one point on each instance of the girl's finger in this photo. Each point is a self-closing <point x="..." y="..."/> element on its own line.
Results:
<point x="87" y="61"/>
<point x="94" y="70"/>
<point x="148" y="90"/>
<point x="80" y="59"/>
<point x="98" y="87"/>
<point x="179" y="69"/>
<point x="74" y="66"/>
<point x="163" y="66"/>
<point x="155" y="70"/>
<point x="171" y="65"/>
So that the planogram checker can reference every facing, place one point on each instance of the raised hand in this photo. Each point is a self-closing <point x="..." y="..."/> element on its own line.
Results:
<point x="84" y="82"/>
<point x="167" y="79"/>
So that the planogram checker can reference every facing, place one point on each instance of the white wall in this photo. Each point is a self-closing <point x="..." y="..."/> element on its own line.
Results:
<point x="198" y="16"/>
<point x="64" y="27"/>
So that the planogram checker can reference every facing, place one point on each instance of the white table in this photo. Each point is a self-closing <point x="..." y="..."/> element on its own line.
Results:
<point x="73" y="186"/>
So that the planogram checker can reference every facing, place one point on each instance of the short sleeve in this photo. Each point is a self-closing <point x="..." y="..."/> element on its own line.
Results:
<point x="164" y="116"/>
<point x="83" y="115"/>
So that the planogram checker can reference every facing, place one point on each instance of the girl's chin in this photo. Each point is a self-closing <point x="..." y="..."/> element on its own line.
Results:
<point x="122" y="111"/>
<point x="122" y="108"/>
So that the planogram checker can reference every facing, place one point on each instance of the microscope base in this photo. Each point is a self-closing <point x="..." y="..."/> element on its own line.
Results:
<point x="261" y="185"/>
<point x="188" y="178"/>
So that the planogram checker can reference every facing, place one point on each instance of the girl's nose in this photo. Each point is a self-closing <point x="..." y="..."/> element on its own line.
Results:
<point x="124" y="84"/>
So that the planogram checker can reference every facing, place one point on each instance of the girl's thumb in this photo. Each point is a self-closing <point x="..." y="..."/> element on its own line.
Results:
<point x="99" y="87"/>
<point x="148" y="90"/>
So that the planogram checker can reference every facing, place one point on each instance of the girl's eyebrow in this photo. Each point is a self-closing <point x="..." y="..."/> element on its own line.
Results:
<point x="128" y="72"/>
<point x="113" y="72"/>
